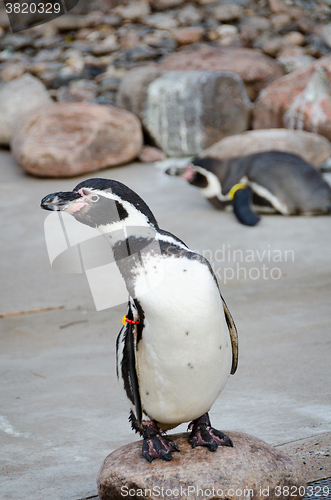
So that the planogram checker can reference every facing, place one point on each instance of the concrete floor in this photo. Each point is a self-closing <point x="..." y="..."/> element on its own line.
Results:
<point x="61" y="409"/>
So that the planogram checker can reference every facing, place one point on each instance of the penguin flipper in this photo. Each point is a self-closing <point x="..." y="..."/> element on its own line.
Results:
<point x="242" y="207"/>
<point x="131" y="345"/>
<point x="233" y="335"/>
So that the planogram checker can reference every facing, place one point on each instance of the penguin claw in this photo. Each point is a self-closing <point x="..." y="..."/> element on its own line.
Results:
<point x="204" y="435"/>
<point x="156" y="445"/>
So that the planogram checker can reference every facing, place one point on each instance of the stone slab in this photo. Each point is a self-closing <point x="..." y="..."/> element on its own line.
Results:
<point x="313" y="456"/>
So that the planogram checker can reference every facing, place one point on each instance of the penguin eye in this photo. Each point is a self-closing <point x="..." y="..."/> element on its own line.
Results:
<point x="94" y="198"/>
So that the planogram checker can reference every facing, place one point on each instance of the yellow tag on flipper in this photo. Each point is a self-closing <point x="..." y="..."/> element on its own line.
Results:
<point x="124" y="320"/>
<point x="235" y="188"/>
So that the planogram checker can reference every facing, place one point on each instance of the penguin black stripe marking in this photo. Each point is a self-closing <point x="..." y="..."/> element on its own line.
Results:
<point x="174" y="363"/>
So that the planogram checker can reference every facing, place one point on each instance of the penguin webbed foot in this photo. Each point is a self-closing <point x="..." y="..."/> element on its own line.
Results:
<point x="203" y="434"/>
<point x="155" y="444"/>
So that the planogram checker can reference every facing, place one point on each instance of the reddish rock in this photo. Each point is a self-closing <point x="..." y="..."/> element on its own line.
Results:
<point x="251" y="469"/>
<point x="149" y="154"/>
<point x="256" y="69"/>
<point x="186" y="36"/>
<point x="300" y="100"/>
<point x="67" y="139"/>
<point x="313" y="148"/>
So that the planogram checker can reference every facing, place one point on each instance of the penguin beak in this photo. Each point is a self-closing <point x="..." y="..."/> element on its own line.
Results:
<point x="64" y="201"/>
<point x="186" y="172"/>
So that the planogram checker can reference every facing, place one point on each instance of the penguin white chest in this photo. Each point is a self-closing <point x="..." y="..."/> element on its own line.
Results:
<point x="184" y="357"/>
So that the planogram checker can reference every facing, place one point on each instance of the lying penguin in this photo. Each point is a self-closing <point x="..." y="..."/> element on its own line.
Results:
<point x="178" y="344"/>
<point x="272" y="181"/>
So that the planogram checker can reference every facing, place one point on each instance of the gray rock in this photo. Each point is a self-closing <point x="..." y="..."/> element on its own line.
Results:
<point x="16" y="41"/>
<point x="256" y="69"/>
<point x="251" y="469"/>
<point x="52" y="54"/>
<point x="71" y="22"/>
<point x="326" y="35"/>
<point x="227" y="12"/>
<point x="313" y="148"/>
<point x="106" y="46"/>
<point x="109" y="85"/>
<point x="112" y="20"/>
<point x="18" y="98"/>
<point x="188" y="111"/>
<point x="106" y="98"/>
<point x="132" y="94"/>
<point x="292" y="63"/>
<point x="134" y="11"/>
<point x="46" y="42"/>
<point x="161" y="21"/>
<point x="159" y="41"/>
<point x="77" y="91"/>
<point x="165" y="4"/>
<point x="190" y="14"/>
<point x="141" y="53"/>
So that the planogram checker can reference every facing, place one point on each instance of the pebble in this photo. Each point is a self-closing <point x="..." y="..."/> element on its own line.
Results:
<point x="135" y="11"/>
<point x="112" y="20"/>
<point x="280" y="20"/>
<point x="161" y="21"/>
<point x="165" y="4"/>
<point x="77" y="91"/>
<point x="11" y="71"/>
<point x="109" y="84"/>
<point x="129" y="40"/>
<point x="260" y="23"/>
<point x="189" y="15"/>
<point x="160" y="39"/>
<point x="293" y="63"/>
<point x="141" y="53"/>
<point x="326" y="35"/>
<point x="16" y="42"/>
<point x="186" y="36"/>
<point x="227" y="12"/>
<point x="294" y="38"/>
<point x="109" y="44"/>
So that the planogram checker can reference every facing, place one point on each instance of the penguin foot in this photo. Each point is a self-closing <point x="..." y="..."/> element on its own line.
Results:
<point x="155" y="444"/>
<point x="203" y="434"/>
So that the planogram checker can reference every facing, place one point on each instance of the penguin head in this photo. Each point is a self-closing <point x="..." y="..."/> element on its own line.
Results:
<point x="102" y="203"/>
<point x="191" y="173"/>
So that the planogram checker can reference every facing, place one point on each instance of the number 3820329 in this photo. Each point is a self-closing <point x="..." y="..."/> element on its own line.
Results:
<point x="33" y="8"/>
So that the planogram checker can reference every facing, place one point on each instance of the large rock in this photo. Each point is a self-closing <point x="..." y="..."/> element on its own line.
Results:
<point x="18" y="97"/>
<point x="313" y="148"/>
<point x="256" y="69"/>
<point x="132" y="94"/>
<point x="300" y="100"/>
<point x="68" y="139"/>
<point x="251" y="469"/>
<point x="187" y="111"/>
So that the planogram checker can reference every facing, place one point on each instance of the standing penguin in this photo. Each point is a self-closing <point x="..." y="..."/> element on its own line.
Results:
<point x="271" y="181"/>
<point x="178" y="344"/>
